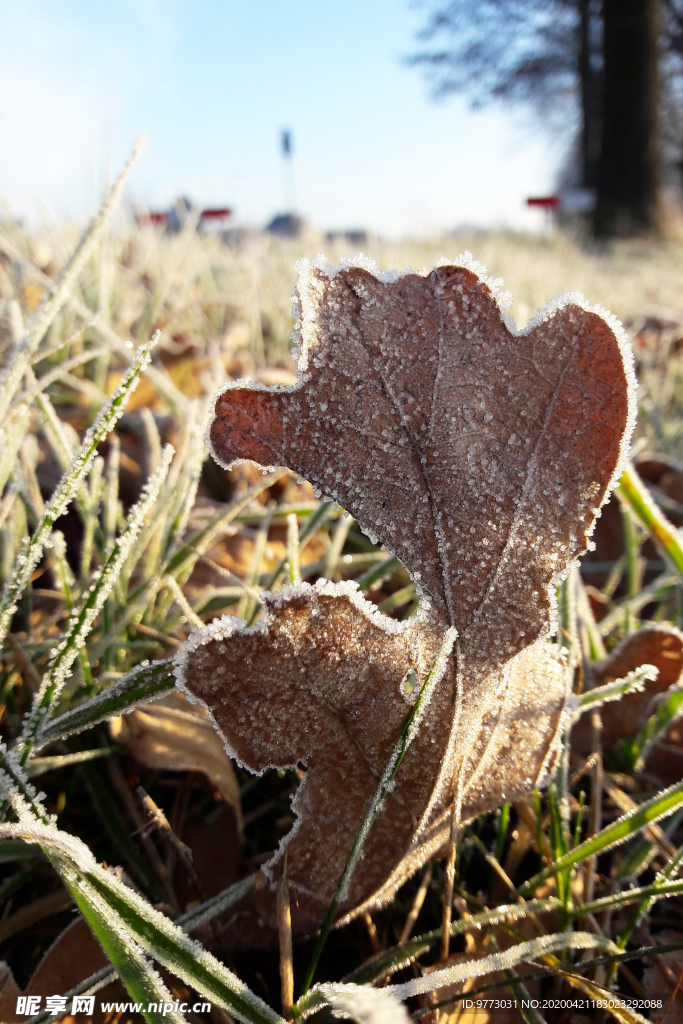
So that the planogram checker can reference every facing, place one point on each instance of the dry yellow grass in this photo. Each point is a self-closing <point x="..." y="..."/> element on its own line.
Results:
<point x="232" y="302"/>
<point x="257" y="276"/>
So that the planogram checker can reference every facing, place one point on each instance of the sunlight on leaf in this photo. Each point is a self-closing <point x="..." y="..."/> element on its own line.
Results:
<point x="479" y="457"/>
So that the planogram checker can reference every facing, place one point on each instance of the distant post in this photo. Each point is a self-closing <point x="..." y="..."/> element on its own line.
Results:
<point x="288" y="184"/>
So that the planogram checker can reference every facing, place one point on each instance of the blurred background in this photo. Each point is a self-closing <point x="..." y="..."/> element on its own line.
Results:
<point x="545" y="135"/>
<point x="214" y="84"/>
<point x="396" y="117"/>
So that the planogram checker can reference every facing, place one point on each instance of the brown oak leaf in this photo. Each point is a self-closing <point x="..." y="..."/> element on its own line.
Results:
<point x="480" y="457"/>
<point x="658" y="645"/>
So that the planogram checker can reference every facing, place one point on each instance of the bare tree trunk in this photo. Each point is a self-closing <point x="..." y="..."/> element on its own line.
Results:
<point x="589" y="87"/>
<point x="628" y="196"/>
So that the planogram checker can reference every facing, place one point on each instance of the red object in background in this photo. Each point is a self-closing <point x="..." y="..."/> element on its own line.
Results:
<point x="545" y="202"/>
<point x="160" y="219"/>
<point x="215" y="213"/>
<point x="152" y="218"/>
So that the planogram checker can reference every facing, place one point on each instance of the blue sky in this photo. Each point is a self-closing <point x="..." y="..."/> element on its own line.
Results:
<point x="212" y="83"/>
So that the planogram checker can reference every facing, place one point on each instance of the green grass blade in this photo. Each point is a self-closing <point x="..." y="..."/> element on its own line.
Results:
<point x="379" y="572"/>
<point x="14" y="784"/>
<point x="653" y="593"/>
<point x="32" y="548"/>
<point x="656" y="891"/>
<point x="337" y="541"/>
<point x="215" y="905"/>
<point x="143" y="984"/>
<point x="83" y="619"/>
<point x="183" y="956"/>
<point x="293" y="565"/>
<point x="398" y="598"/>
<point x="40" y="765"/>
<point x="188" y="921"/>
<point x="644" y="904"/>
<point x="668" y="711"/>
<point x="64" y="580"/>
<point x="587" y="966"/>
<point x="391" y="960"/>
<point x="145" y="683"/>
<point x="518" y="954"/>
<point x="632" y="683"/>
<point x="156" y="935"/>
<point x="619" y="831"/>
<point x="502" y="830"/>
<point x="314" y="521"/>
<point x="636" y="496"/>
<point x="477" y="968"/>
<point x="188" y="553"/>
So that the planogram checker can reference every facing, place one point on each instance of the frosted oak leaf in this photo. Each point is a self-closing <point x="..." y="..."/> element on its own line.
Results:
<point x="479" y="456"/>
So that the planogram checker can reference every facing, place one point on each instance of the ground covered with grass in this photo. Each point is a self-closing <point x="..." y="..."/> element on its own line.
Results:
<point x="166" y="540"/>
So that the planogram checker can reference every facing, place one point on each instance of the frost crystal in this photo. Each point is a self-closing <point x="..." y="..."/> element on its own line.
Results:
<point x="363" y="1004"/>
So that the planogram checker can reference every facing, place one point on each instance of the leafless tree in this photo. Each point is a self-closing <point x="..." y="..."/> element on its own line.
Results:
<point x="580" y="63"/>
<point x="629" y="172"/>
<point x="546" y="54"/>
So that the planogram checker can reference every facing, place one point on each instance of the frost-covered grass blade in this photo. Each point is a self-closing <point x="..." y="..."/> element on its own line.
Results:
<point x="85" y="615"/>
<point x="144" y="683"/>
<point x="32" y="548"/>
<point x="620" y="831"/>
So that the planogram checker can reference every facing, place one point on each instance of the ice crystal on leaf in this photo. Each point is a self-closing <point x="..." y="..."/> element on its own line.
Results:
<point x="480" y="457"/>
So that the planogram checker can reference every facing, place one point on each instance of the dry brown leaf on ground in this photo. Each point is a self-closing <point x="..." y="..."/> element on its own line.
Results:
<point x="173" y="734"/>
<point x="9" y="992"/>
<point x="666" y="474"/>
<point x="662" y="978"/>
<point x="661" y="646"/>
<point x="480" y="457"/>
<point x="74" y="956"/>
